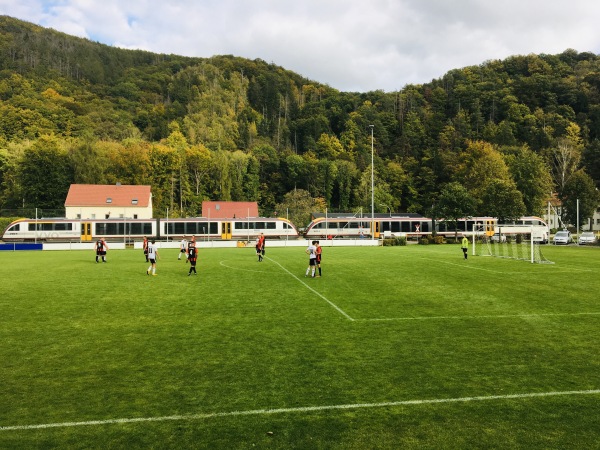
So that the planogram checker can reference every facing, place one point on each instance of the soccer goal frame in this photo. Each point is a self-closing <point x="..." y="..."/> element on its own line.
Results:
<point x="508" y="241"/>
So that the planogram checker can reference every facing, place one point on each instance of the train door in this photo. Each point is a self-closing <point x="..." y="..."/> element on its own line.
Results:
<point x="226" y="230"/>
<point x="375" y="229"/>
<point x="490" y="228"/>
<point x="86" y="231"/>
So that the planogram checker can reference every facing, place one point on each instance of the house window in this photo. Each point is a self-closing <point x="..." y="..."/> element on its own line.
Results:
<point x="134" y="201"/>
<point x="106" y="216"/>
<point x="108" y="200"/>
<point x="135" y="216"/>
<point x="79" y="216"/>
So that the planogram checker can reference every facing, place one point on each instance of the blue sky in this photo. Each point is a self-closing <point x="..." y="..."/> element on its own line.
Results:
<point x="348" y="44"/>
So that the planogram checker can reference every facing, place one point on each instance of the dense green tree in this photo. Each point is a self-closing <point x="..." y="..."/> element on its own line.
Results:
<point x="454" y="203"/>
<point x="45" y="174"/>
<point x="199" y="170"/>
<point x="346" y="178"/>
<point x="566" y="156"/>
<point x="532" y="177"/>
<point x="89" y="163"/>
<point x="579" y="190"/>
<point x="164" y="163"/>
<point x="502" y="199"/>
<point x="480" y="165"/>
<point x="328" y="147"/>
<point x="591" y="160"/>
<point x="298" y="206"/>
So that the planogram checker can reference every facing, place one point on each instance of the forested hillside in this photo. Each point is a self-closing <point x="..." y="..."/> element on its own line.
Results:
<point x="495" y="139"/>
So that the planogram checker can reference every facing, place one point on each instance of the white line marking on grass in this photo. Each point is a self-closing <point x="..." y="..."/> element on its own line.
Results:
<point x="466" y="265"/>
<point x="301" y="409"/>
<point x="337" y="308"/>
<point x="498" y="316"/>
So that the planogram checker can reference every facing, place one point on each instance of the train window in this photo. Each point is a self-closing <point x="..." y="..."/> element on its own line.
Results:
<point x="45" y="226"/>
<point x="100" y="229"/>
<point x="140" y="228"/>
<point x="240" y="225"/>
<point x="343" y="225"/>
<point x="61" y="226"/>
<point x="352" y="224"/>
<point x="134" y="228"/>
<point x="179" y="228"/>
<point x="405" y="227"/>
<point x="271" y="225"/>
<point x="14" y="227"/>
<point x="395" y="228"/>
<point x="425" y="227"/>
<point x="195" y="228"/>
<point x="260" y="225"/>
<point x="115" y="228"/>
<point x="214" y="227"/>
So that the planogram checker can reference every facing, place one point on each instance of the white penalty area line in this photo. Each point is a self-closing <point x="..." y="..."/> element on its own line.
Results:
<point x="466" y="265"/>
<point x="333" y="305"/>
<point x="302" y="409"/>
<point x="489" y="316"/>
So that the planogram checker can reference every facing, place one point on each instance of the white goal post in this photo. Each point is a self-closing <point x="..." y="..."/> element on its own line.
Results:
<point x="520" y="242"/>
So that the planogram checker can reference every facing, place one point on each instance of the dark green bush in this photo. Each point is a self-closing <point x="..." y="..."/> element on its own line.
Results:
<point x="5" y="222"/>
<point x="394" y="241"/>
<point x="438" y="240"/>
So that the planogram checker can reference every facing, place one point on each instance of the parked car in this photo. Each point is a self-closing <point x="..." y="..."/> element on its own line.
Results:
<point x="498" y="238"/>
<point x="563" y="237"/>
<point x="587" y="237"/>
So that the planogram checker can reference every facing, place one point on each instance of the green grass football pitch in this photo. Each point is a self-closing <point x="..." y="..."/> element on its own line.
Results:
<point x="393" y="347"/>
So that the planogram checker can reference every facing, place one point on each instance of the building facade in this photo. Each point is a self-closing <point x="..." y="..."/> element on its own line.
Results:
<point x="101" y="201"/>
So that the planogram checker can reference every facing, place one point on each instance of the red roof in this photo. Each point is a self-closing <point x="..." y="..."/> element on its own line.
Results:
<point x="229" y="210"/>
<point x="104" y="195"/>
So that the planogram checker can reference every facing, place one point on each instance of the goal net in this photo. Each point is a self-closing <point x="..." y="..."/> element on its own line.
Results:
<point x="511" y="242"/>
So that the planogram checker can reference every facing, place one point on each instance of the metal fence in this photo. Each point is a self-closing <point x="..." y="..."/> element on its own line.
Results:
<point x="32" y="213"/>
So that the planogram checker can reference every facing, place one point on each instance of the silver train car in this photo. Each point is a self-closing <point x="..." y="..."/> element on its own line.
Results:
<point x="415" y="226"/>
<point x="123" y="229"/>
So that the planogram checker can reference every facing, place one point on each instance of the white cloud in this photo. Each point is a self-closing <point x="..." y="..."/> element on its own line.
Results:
<point x="348" y="44"/>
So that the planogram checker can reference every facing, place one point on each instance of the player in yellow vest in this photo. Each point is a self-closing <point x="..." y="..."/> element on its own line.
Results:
<point x="465" y="246"/>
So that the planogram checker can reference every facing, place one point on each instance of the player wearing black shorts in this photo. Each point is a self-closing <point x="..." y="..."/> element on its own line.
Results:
<point x="101" y="248"/>
<point x="192" y="257"/>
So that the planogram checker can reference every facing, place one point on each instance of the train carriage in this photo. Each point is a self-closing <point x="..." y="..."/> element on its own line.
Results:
<point x="75" y="230"/>
<point x="228" y="229"/>
<point x="416" y="226"/>
<point x="124" y="229"/>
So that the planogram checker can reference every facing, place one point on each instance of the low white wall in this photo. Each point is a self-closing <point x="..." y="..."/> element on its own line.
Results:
<point x="81" y="246"/>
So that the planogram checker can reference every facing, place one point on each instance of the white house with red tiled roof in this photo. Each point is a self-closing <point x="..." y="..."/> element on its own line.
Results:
<point x="101" y="201"/>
